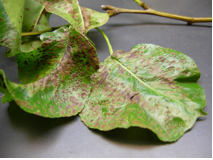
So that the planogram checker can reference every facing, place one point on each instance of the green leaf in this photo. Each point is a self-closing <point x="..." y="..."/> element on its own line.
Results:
<point x="36" y="18"/>
<point x="11" y="17"/>
<point x="63" y="92"/>
<point x="7" y="96"/>
<point x="82" y="19"/>
<point x="93" y="19"/>
<point x="29" y="43"/>
<point x="150" y="87"/>
<point x="38" y="63"/>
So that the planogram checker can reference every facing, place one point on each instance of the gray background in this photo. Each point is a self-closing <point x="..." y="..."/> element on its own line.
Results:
<point x="27" y="135"/>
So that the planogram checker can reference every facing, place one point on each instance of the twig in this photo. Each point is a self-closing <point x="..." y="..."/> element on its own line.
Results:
<point x="112" y="11"/>
<point x="142" y="4"/>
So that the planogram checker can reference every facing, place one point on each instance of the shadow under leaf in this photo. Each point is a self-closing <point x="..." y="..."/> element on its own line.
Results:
<point x="205" y="25"/>
<point x="133" y="136"/>
<point x="35" y="126"/>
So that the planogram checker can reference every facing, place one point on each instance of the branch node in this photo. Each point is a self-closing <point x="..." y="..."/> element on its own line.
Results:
<point x="142" y="4"/>
<point x="112" y="12"/>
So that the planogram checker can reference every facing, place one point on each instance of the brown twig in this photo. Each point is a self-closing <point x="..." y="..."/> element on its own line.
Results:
<point x="112" y="11"/>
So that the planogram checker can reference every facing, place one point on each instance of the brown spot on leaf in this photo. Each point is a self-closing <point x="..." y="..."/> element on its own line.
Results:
<point x="1" y="19"/>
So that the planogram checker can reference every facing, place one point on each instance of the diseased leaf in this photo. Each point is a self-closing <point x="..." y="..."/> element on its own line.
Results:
<point x="82" y="19"/>
<point x="150" y="87"/>
<point x="38" y="63"/>
<point x="63" y="92"/>
<point x="7" y="96"/>
<point x="93" y="19"/>
<point x="35" y="18"/>
<point x="11" y="17"/>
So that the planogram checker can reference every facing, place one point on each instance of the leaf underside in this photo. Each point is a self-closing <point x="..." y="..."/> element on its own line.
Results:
<point x="63" y="92"/>
<point x="150" y="87"/>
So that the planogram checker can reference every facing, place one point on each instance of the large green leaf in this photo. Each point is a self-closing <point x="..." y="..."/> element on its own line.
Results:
<point x="150" y="87"/>
<point x="11" y="17"/>
<point x="82" y="19"/>
<point x="62" y="92"/>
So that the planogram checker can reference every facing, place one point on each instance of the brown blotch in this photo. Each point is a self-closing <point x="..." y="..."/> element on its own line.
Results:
<point x="1" y="19"/>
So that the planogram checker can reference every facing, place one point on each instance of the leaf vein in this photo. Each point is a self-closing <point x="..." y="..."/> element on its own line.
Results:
<point x="125" y="68"/>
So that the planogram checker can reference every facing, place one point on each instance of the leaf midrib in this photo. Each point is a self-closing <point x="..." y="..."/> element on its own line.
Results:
<point x="126" y="69"/>
<point x="40" y="14"/>
<point x="81" y="14"/>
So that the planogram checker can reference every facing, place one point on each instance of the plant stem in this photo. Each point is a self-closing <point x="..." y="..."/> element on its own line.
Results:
<point x="142" y="4"/>
<point x="107" y="40"/>
<point x="112" y="11"/>
<point x="40" y="32"/>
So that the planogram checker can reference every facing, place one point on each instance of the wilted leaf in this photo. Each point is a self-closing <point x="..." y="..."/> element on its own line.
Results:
<point x="149" y="87"/>
<point x="82" y="19"/>
<point x="11" y="17"/>
<point x="62" y="92"/>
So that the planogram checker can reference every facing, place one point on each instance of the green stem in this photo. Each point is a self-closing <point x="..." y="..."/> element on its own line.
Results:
<point x="40" y="32"/>
<point x="107" y="40"/>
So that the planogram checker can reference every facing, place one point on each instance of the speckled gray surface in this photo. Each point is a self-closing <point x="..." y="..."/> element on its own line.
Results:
<point x="26" y="135"/>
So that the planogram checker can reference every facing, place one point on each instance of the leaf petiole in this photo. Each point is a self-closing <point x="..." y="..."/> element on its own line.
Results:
<point x="107" y="40"/>
<point x="40" y="32"/>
